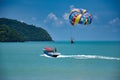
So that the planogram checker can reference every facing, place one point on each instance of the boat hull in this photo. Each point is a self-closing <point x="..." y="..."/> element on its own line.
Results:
<point x="51" y="54"/>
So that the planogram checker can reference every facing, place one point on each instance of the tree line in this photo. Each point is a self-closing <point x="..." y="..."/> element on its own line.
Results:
<point x="13" y="30"/>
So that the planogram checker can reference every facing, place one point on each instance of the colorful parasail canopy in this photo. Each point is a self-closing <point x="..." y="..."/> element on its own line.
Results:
<point x="80" y="16"/>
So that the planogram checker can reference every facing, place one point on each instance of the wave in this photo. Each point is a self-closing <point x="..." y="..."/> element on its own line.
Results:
<point x="84" y="57"/>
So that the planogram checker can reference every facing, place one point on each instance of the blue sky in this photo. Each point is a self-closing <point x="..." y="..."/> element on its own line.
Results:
<point x="52" y="15"/>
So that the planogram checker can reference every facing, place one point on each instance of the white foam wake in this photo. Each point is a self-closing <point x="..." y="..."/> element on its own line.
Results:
<point x="88" y="57"/>
<point x="85" y="57"/>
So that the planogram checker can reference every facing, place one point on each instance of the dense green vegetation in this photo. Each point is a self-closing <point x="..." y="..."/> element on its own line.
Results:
<point x="9" y="34"/>
<point x="13" y="30"/>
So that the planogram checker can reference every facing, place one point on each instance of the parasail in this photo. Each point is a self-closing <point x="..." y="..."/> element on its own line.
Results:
<point x="80" y="16"/>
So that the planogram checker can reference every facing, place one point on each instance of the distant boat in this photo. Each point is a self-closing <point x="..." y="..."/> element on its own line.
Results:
<point x="51" y="52"/>
<point x="72" y="41"/>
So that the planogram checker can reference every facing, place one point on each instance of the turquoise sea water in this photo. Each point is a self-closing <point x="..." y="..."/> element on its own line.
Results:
<point x="79" y="61"/>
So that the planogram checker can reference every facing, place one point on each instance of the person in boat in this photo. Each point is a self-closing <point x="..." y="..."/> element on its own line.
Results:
<point x="72" y="41"/>
<point x="55" y="50"/>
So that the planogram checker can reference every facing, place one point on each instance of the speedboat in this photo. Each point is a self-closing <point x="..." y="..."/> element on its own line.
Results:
<point x="51" y="52"/>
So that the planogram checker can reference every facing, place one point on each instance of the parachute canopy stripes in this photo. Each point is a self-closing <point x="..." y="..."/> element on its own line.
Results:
<point x="80" y="16"/>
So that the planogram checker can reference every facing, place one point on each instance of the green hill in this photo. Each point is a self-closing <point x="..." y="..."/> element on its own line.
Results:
<point x="13" y="30"/>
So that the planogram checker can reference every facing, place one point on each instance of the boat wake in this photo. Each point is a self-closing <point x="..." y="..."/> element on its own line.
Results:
<point x="84" y="57"/>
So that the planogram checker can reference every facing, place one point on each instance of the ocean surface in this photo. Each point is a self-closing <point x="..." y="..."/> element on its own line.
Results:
<point x="78" y="61"/>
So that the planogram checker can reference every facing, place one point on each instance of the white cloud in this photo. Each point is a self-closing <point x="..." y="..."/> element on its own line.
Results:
<point x="66" y="16"/>
<point x="95" y="17"/>
<point x="52" y="16"/>
<point x="72" y="6"/>
<point x="115" y="21"/>
<point x="53" y="19"/>
<point x="21" y="21"/>
<point x="115" y="24"/>
<point x="34" y="18"/>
